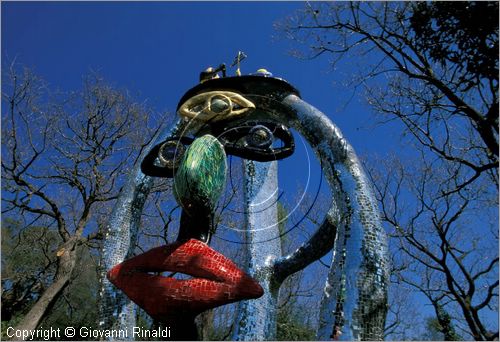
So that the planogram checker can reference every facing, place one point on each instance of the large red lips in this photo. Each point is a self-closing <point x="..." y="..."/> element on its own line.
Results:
<point x="217" y="281"/>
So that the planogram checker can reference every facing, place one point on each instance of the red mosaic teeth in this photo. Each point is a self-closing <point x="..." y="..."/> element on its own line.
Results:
<point x="217" y="281"/>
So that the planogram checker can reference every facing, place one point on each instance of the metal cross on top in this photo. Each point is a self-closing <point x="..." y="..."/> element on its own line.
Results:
<point x="239" y="57"/>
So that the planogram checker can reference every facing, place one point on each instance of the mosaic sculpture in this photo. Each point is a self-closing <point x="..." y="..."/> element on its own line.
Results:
<point x="244" y="116"/>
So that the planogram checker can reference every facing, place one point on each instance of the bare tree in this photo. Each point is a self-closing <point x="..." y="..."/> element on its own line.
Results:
<point x="401" y="306"/>
<point x="439" y="84"/>
<point x="437" y="251"/>
<point x="63" y="159"/>
<point x="420" y="92"/>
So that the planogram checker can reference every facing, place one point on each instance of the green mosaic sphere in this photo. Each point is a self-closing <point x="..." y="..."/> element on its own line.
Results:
<point x="201" y="176"/>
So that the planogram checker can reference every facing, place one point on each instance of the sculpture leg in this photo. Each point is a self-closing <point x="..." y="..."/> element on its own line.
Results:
<point x="256" y="319"/>
<point x="354" y="304"/>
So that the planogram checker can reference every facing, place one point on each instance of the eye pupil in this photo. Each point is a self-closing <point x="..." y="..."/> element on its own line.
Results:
<point x="260" y="136"/>
<point x="219" y="105"/>
<point x="170" y="154"/>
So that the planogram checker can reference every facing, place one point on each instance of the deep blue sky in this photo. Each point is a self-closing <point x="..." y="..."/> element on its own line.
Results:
<point x="157" y="49"/>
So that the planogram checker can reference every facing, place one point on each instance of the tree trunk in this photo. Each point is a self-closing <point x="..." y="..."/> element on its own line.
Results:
<point x="65" y="266"/>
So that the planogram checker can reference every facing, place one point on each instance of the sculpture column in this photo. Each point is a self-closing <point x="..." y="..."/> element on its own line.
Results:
<point x="256" y="318"/>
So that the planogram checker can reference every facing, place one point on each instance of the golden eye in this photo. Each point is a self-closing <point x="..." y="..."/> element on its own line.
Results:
<point x="216" y="106"/>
